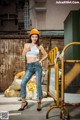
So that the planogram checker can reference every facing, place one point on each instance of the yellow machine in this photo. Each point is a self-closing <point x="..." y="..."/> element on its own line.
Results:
<point x="54" y="90"/>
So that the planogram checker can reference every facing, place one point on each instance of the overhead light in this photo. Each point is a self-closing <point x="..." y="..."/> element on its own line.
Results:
<point x="40" y="9"/>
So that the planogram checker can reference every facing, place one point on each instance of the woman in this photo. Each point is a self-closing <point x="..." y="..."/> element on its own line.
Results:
<point x="31" y="51"/>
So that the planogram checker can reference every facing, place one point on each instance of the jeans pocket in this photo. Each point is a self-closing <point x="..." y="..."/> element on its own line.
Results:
<point x="37" y="63"/>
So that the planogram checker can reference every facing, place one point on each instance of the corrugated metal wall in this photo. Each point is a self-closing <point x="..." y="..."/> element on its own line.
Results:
<point x="11" y="60"/>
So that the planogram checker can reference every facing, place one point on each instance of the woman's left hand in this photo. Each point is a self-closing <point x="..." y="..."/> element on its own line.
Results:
<point x="40" y="63"/>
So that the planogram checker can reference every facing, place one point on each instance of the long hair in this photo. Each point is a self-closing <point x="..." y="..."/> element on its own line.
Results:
<point x="37" y="42"/>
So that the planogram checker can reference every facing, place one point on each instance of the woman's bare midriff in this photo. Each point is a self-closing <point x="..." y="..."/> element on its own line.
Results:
<point x="32" y="59"/>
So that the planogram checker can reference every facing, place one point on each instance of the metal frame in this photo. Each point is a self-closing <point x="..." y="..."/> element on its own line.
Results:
<point x="63" y="61"/>
<point x="67" y="61"/>
<point x="52" y="59"/>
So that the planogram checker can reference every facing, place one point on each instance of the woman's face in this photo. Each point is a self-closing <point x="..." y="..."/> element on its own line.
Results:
<point x="34" y="38"/>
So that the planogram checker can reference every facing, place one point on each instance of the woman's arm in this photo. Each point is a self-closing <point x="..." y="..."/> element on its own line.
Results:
<point x="44" y="53"/>
<point x="25" y="49"/>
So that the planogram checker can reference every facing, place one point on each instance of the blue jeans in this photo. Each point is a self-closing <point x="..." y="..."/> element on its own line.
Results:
<point x="32" y="68"/>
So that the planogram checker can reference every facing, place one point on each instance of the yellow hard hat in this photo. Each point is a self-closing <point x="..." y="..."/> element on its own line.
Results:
<point x="34" y="31"/>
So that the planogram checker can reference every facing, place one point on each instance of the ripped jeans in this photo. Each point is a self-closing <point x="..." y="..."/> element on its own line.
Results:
<point x="32" y="68"/>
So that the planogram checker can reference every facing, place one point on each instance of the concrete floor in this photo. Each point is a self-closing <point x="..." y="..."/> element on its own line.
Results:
<point x="12" y="104"/>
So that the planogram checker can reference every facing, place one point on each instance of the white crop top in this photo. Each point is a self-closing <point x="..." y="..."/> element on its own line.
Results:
<point x="34" y="52"/>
